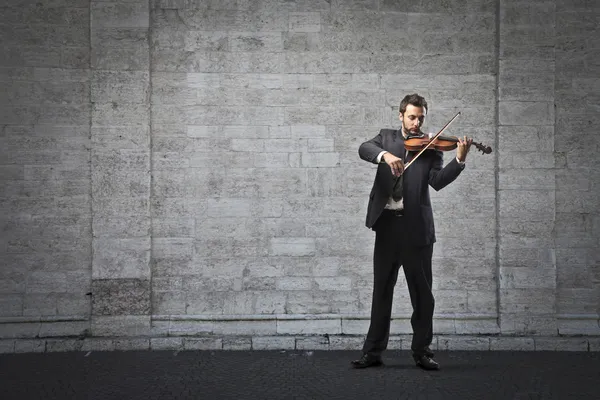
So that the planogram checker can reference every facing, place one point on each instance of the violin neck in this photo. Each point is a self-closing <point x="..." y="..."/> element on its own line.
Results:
<point x="448" y="138"/>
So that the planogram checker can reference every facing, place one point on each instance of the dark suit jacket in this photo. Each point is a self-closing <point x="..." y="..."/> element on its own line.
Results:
<point x="426" y="170"/>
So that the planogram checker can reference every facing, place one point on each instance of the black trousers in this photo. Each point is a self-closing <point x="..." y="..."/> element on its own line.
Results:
<point x="391" y="252"/>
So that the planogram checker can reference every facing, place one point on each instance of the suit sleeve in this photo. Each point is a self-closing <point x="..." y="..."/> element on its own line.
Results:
<point x="440" y="177"/>
<point x="370" y="149"/>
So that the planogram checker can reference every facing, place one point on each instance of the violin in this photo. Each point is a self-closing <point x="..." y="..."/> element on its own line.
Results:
<point x="442" y="143"/>
<point x="438" y="142"/>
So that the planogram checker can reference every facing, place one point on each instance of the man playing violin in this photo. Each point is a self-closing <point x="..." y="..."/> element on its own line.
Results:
<point x="400" y="213"/>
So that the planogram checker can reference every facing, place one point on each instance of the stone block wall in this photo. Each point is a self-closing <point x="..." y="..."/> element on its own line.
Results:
<point x="189" y="168"/>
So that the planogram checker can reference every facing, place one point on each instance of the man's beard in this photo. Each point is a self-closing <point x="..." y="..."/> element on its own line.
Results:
<point x="408" y="132"/>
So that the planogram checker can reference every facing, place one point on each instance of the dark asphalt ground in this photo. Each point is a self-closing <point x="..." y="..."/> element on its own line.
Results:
<point x="296" y="375"/>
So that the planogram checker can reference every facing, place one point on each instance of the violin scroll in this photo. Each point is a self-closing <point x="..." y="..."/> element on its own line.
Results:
<point x="483" y="148"/>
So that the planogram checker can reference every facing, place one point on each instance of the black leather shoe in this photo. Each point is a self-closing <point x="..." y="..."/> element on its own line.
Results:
<point x="367" y="361"/>
<point x="428" y="352"/>
<point x="426" y="363"/>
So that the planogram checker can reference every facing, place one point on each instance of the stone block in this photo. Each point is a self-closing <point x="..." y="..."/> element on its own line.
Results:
<point x="120" y="87"/>
<point x="482" y="301"/>
<point x="20" y="330"/>
<point x="237" y="343"/>
<point x="298" y="81"/>
<point x="171" y="343"/>
<point x="171" y="284"/>
<point x="207" y="343"/>
<point x="528" y="160"/>
<point x="270" y="302"/>
<point x="168" y="303"/>
<point x="346" y="343"/>
<point x="120" y="326"/>
<point x="335" y="81"/>
<point x="49" y="304"/>
<point x="120" y="297"/>
<point x="123" y="226"/>
<point x="594" y="344"/>
<point x="190" y="327"/>
<point x="251" y="247"/>
<point x="440" y="325"/>
<point x="132" y="344"/>
<point x="94" y="344"/>
<point x="590" y="326"/>
<point x="194" y="40"/>
<point x="7" y="346"/>
<point x="287" y="283"/>
<point x="292" y="246"/>
<point x="570" y="275"/>
<point x="11" y="305"/>
<point x="584" y="202"/>
<point x="518" y="234"/>
<point x="62" y="345"/>
<point x="265" y="42"/>
<point x="534" y="205"/>
<point x="194" y="80"/>
<point x="273" y="343"/>
<point x="248" y="145"/>
<point x="540" y="276"/>
<point x="313" y="62"/>
<point x="526" y="66"/>
<point x="320" y="160"/>
<point x="220" y="115"/>
<point x="121" y="258"/>
<point x="530" y="300"/>
<point x="355" y="326"/>
<point x="120" y="114"/>
<point x="511" y="323"/>
<point x="308" y="326"/>
<point x="526" y="113"/>
<point x="120" y="49"/>
<point x="350" y="21"/>
<point x="75" y="57"/>
<point x="174" y="60"/>
<point x="476" y="326"/>
<point x="238" y="20"/>
<point x="253" y="328"/>
<point x="340" y="283"/>
<point x="312" y="343"/>
<point x="305" y="22"/>
<point x="120" y="138"/>
<point x="30" y="346"/>
<point x="450" y="301"/>
<point x="47" y="282"/>
<point x="463" y="343"/>
<point x="332" y="247"/>
<point x="66" y="328"/>
<point x="577" y="300"/>
<point x="520" y="178"/>
<point x="512" y="344"/>
<point x="561" y="344"/>
<point x="532" y="15"/>
<point x="133" y="14"/>
<point x="569" y="181"/>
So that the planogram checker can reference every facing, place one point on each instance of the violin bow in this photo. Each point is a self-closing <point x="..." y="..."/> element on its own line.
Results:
<point x="431" y="141"/>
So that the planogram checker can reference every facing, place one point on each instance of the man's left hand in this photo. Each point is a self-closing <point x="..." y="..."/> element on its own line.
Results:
<point x="463" y="148"/>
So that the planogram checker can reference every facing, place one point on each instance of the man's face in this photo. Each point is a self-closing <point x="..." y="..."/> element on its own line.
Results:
<point x="412" y="119"/>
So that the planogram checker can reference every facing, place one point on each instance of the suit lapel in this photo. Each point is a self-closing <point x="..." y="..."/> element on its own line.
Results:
<point x="397" y="144"/>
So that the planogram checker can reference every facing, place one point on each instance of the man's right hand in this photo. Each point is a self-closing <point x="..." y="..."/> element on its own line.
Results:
<point x="395" y="163"/>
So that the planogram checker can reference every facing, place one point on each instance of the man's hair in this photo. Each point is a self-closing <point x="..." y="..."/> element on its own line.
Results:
<point x="413" y="99"/>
